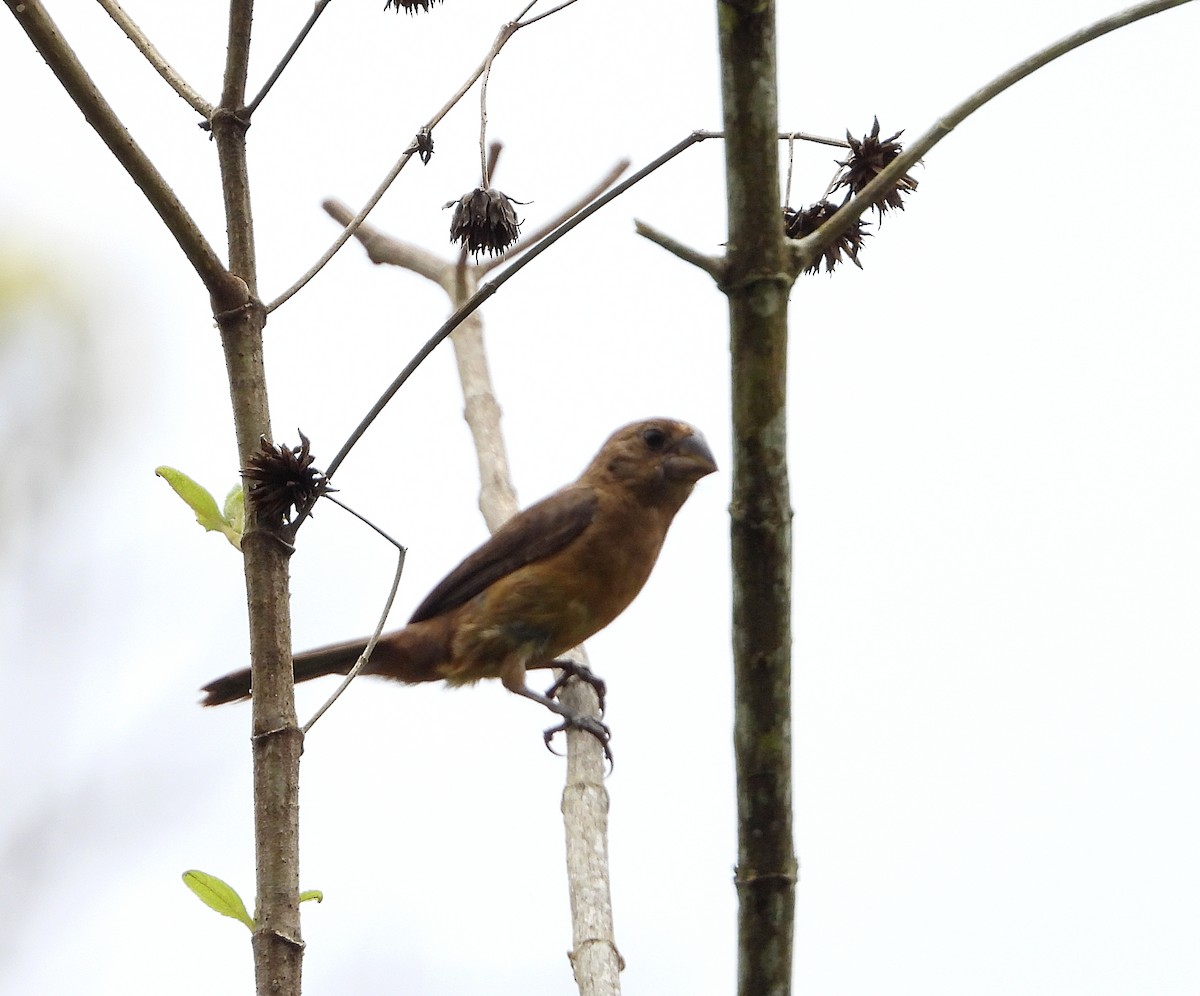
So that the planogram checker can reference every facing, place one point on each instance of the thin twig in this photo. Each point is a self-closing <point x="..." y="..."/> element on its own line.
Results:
<point x="805" y="250"/>
<point x="787" y="187"/>
<point x="387" y="610"/>
<point x="318" y="10"/>
<point x="799" y="136"/>
<point x="483" y="157"/>
<point x="155" y="58"/>
<point x="552" y="10"/>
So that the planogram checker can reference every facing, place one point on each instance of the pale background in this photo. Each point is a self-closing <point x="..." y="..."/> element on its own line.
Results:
<point x="995" y="444"/>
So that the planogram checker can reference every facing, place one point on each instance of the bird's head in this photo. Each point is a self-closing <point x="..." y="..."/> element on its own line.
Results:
<point x="659" y="460"/>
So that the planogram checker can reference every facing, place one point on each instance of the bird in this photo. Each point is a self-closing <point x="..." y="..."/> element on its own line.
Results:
<point x="549" y="578"/>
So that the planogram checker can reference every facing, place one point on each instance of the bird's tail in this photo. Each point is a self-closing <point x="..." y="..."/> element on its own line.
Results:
<point x="338" y="658"/>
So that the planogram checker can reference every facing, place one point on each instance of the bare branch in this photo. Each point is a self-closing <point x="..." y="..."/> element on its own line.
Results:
<point x="805" y="250"/>
<point x="276" y="739"/>
<point x="37" y="24"/>
<point x="714" y="266"/>
<point x="155" y="58"/>
<point x="386" y="249"/>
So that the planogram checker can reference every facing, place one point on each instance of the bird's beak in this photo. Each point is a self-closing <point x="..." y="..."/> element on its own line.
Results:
<point x="690" y="460"/>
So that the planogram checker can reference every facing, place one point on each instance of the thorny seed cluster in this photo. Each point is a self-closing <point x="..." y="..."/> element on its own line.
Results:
<point x="868" y="158"/>
<point x="410" y="6"/>
<point x="283" y="479"/>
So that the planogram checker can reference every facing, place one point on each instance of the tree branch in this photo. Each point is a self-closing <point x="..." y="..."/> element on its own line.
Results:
<point x="757" y="286"/>
<point x="386" y="249"/>
<point x="714" y="266"/>
<point x="806" y="250"/>
<point x="155" y="58"/>
<point x="225" y="292"/>
<point x="276" y="739"/>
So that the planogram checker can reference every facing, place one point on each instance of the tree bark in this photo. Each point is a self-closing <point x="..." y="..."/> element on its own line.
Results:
<point x="757" y="281"/>
<point x="276" y="739"/>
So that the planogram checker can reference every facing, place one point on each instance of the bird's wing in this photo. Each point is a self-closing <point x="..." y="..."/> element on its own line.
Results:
<point x="538" y="532"/>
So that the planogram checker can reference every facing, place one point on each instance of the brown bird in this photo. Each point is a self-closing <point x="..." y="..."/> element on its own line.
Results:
<point x="548" y="579"/>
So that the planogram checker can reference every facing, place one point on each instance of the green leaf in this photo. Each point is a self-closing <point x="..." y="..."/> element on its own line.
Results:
<point x="218" y="895"/>
<point x="200" y="501"/>
<point x="316" y="894"/>
<point x="235" y="514"/>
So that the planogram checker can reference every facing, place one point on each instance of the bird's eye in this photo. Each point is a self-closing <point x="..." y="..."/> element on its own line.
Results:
<point x="656" y="439"/>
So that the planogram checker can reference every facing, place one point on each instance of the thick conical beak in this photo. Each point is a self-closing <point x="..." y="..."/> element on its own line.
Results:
<point x="690" y="460"/>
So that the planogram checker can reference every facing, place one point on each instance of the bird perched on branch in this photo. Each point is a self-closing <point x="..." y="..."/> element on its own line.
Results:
<point x="548" y="579"/>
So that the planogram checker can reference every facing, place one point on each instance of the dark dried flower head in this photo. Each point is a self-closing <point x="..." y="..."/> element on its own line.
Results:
<point x="484" y="221"/>
<point x="797" y="224"/>
<point x="410" y="6"/>
<point x="283" y="479"/>
<point x="867" y="159"/>
<point x="424" y="145"/>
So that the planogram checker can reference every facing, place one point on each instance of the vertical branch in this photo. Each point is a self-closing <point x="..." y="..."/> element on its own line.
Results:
<point x="276" y="738"/>
<point x="229" y="131"/>
<point x="757" y="285"/>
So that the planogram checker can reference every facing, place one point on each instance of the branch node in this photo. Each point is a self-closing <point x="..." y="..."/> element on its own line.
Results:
<point x="607" y="942"/>
<point x="224" y="319"/>
<point x="258" y="739"/>
<point x="751" y="877"/>
<point x="279" y="935"/>
<point x="254" y="532"/>
<point x="221" y="115"/>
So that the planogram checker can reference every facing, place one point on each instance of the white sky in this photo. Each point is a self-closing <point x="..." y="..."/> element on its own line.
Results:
<point x="995" y="472"/>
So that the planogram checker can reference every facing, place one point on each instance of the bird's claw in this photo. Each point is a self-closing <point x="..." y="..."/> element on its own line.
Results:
<point x="585" y="674"/>
<point x="587" y="725"/>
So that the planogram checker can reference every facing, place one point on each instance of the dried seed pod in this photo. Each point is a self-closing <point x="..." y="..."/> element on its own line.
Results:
<point x="484" y="220"/>
<point x="410" y="6"/>
<point x="283" y="479"/>
<point x="867" y="159"/>
<point x="424" y="145"/>
<point x="797" y="224"/>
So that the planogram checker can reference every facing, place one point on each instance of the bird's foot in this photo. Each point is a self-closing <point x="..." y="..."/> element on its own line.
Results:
<point x="572" y="670"/>
<point x="586" y="724"/>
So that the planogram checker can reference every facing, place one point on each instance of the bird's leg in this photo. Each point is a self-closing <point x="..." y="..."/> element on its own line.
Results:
<point x="572" y="720"/>
<point x="572" y="669"/>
